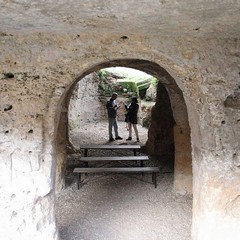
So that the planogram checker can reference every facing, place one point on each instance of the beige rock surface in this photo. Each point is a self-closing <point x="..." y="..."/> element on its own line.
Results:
<point x="46" y="47"/>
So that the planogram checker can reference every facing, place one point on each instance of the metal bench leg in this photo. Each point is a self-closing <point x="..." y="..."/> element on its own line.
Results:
<point x="78" y="180"/>
<point x="134" y="152"/>
<point x="86" y="165"/>
<point x="154" y="179"/>
<point x="141" y="165"/>
<point x="85" y="152"/>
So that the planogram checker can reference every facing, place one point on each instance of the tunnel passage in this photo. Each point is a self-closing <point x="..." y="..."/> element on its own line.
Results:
<point x="167" y="138"/>
<point x="176" y="121"/>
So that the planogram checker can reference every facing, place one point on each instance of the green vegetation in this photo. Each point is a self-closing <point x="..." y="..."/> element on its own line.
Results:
<point x="102" y="74"/>
<point x="129" y="86"/>
<point x="104" y="86"/>
<point x="154" y="81"/>
<point x="124" y="84"/>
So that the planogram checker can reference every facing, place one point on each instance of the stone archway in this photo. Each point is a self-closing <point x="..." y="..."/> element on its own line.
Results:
<point x="180" y="129"/>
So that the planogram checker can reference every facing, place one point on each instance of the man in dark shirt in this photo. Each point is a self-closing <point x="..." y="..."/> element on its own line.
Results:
<point x="112" y="117"/>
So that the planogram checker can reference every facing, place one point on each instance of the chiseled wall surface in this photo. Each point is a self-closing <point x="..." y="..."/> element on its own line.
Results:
<point x="43" y="68"/>
<point x="85" y="104"/>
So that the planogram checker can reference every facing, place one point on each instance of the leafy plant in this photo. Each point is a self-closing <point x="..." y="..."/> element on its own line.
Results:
<point x="154" y="81"/>
<point x="104" y="86"/>
<point x="130" y="85"/>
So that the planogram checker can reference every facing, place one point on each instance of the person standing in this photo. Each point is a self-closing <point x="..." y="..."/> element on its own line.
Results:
<point x="131" y="118"/>
<point x="112" y="117"/>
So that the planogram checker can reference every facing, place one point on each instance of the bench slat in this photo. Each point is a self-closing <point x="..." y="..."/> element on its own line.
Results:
<point x="118" y="170"/>
<point x="152" y="170"/>
<point x="125" y="158"/>
<point x="111" y="146"/>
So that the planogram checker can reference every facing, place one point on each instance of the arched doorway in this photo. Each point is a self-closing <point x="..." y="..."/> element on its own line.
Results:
<point x="178" y="122"/>
<point x="181" y="130"/>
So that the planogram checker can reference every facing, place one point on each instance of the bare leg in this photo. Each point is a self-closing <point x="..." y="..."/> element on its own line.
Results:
<point x="135" y="130"/>
<point x="130" y="129"/>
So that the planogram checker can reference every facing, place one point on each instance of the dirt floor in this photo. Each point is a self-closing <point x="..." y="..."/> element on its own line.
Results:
<point x="121" y="206"/>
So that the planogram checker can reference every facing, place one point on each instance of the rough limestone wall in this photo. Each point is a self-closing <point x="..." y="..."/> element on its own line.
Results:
<point x="61" y="154"/>
<point x="26" y="157"/>
<point x="169" y="133"/>
<point x="85" y="104"/>
<point x="160" y="134"/>
<point x="31" y="102"/>
<point x="182" y="141"/>
<point x="215" y="141"/>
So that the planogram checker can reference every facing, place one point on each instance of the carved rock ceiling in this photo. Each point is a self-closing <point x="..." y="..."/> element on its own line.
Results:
<point x="206" y="18"/>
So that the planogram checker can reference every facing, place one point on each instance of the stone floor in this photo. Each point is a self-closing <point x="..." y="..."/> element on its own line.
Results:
<point x="121" y="206"/>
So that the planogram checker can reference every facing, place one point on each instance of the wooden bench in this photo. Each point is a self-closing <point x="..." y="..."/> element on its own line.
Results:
<point x="111" y="147"/>
<point x="152" y="170"/>
<point x="125" y="158"/>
